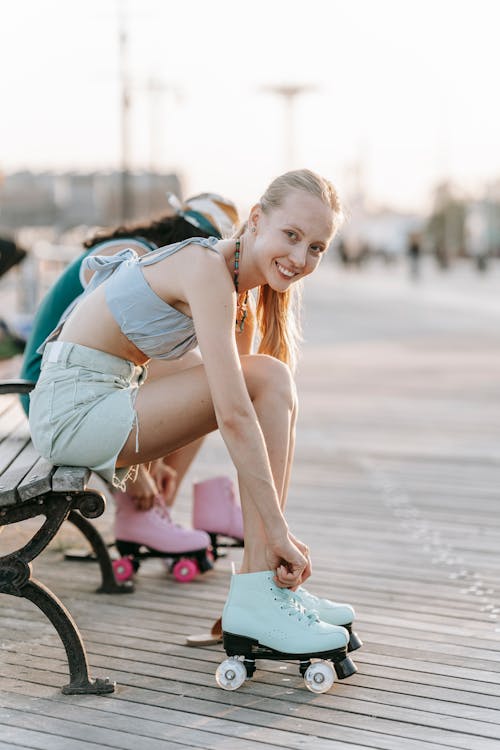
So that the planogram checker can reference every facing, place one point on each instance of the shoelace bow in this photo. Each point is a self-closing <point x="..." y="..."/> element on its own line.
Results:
<point x="294" y="607"/>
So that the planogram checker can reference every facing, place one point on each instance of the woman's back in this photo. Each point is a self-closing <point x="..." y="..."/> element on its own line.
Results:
<point x="123" y="314"/>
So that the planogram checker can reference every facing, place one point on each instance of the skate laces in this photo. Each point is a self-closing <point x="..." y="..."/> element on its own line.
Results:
<point x="305" y="598"/>
<point x="293" y="607"/>
<point x="161" y="509"/>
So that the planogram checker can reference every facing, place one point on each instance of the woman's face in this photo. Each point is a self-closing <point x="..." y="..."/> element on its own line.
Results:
<point x="290" y="241"/>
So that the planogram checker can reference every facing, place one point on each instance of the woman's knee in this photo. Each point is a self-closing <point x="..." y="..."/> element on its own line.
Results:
<point x="267" y="375"/>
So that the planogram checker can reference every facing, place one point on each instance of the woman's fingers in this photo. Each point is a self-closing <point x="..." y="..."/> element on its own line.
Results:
<point x="286" y="578"/>
<point x="143" y="489"/>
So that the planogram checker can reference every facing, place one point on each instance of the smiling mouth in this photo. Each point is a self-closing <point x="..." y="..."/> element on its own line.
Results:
<point x="284" y="271"/>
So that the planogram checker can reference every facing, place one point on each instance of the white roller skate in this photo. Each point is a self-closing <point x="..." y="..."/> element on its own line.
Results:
<point x="261" y="620"/>
<point x="333" y="613"/>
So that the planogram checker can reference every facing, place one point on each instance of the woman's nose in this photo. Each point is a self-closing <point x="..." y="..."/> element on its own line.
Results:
<point x="299" y="256"/>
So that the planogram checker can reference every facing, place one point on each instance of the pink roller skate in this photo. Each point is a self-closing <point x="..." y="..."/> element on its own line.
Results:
<point x="140" y="534"/>
<point x="217" y="511"/>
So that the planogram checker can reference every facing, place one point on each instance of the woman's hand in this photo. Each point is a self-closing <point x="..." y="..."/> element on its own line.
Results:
<point x="305" y="551"/>
<point x="166" y="480"/>
<point x="288" y="562"/>
<point x="143" y="489"/>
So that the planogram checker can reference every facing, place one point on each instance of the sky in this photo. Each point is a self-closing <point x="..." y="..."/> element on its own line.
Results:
<point x="398" y="94"/>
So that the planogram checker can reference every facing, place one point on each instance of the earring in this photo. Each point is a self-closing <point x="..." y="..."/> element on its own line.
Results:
<point x="253" y="229"/>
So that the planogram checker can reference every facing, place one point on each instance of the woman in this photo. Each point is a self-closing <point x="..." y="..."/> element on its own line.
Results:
<point x="93" y="405"/>
<point x="141" y="518"/>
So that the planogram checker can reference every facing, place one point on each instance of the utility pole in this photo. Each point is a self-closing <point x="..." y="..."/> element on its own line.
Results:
<point x="156" y="89"/>
<point x="126" y="202"/>
<point x="289" y="94"/>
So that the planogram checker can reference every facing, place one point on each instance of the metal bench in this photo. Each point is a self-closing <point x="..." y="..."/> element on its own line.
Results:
<point x="30" y="486"/>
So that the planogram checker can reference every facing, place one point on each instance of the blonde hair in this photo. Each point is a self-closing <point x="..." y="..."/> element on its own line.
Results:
<point x="278" y="313"/>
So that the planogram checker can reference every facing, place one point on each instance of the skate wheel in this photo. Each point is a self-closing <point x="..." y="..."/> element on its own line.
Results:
<point x="319" y="677"/>
<point x="185" y="570"/>
<point x="123" y="569"/>
<point x="231" y="674"/>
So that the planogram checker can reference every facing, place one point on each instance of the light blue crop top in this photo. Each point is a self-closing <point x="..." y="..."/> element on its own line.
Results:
<point x="154" y="326"/>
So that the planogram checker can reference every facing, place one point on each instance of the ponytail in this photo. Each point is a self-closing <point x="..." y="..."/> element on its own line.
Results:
<point x="278" y="321"/>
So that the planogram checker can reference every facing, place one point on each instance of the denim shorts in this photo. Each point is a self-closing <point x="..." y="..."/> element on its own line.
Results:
<point x="82" y="408"/>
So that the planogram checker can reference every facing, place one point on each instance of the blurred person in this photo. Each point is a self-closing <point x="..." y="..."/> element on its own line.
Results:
<point x="11" y="342"/>
<point x="10" y="254"/>
<point x="442" y="256"/>
<point x="414" y="255"/>
<point x="93" y="405"/>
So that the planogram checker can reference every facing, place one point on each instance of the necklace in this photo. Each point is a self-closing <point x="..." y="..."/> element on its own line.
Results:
<point x="241" y="305"/>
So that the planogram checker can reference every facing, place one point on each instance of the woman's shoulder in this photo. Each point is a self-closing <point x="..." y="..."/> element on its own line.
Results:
<point x="194" y="250"/>
<point x="109" y="247"/>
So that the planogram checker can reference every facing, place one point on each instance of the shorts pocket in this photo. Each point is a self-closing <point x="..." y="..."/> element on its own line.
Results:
<point x="40" y="419"/>
<point x="91" y="387"/>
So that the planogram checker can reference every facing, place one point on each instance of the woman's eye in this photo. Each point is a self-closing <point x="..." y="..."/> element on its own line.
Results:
<point x="292" y="235"/>
<point x="316" y="249"/>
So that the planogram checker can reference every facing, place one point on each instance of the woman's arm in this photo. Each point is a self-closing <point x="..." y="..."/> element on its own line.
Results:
<point x="208" y="289"/>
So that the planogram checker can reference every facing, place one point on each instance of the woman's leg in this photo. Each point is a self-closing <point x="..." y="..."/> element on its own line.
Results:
<point x="277" y="421"/>
<point x="178" y="461"/>
<point x="290" y="456"/>
<point x="177" y="409"/>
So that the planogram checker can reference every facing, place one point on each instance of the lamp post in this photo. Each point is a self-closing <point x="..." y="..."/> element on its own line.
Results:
<point x="289" y="94"/>
<point x="126" y="206"/>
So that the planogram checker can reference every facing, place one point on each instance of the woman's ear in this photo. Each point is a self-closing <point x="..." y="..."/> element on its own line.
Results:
<point x="254" y="217"/>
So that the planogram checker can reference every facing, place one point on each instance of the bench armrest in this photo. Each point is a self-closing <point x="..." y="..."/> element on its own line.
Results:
<point x="16" y="386"/>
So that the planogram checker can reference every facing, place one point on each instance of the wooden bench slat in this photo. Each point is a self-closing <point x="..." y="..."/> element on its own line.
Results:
<point x="70" y="479"/>
<point x="11" y="421"/>
<point x="6" y="403"/>
<point x="11" y="448"/>
<point x="37" y="481"/>
<point x="16" y="473"/>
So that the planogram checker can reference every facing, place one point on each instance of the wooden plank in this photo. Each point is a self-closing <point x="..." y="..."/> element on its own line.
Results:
<point x="18" y="468"/>
<point x="7" y="402"/>
<point x="455" y="704"/>
<point x="16" y="436"/>
<point x="132" y="720"/>
<point x="14" y="737"/>
<point x="70" y="479"/>
<point x="269" y="706"/>
<point x="37" y="481"/>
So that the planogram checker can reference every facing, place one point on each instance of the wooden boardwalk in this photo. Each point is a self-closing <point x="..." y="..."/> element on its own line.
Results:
<point x="396" y="489"/>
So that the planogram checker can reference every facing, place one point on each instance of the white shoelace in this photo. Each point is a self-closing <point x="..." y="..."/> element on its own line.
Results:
<point x="306" y="598"/>
<point x="293" y="607"/>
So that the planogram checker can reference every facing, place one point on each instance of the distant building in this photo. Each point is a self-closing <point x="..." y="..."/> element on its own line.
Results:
<point x="66" y="200"/>
<point x="382" y="233"/>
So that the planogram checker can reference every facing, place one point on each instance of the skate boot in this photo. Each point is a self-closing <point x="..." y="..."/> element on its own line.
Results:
<point x="217" y="511"/>
<point x="151" y="533"/>
<point x="261" y="620"/>
<point x="333" y="613"/>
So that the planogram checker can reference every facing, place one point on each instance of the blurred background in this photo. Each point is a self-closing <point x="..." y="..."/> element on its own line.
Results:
<point x="108" y="104"/>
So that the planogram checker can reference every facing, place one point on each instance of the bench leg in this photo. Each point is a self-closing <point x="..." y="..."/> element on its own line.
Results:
<point x="15" y="579"/>
<point x="49" y="604"/>
<point x="109" y="583"/>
